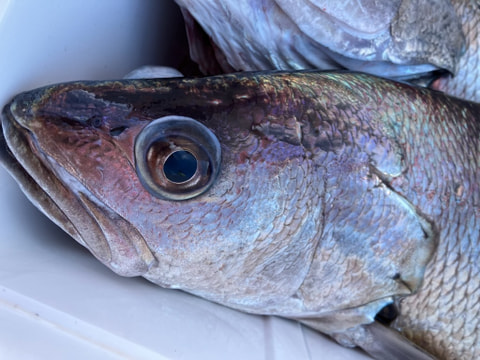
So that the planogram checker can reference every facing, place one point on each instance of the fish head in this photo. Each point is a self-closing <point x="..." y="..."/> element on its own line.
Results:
<point x="266" y="192"/>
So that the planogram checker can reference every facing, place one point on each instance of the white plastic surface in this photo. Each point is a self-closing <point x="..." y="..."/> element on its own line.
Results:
<point x="56" y="300"/>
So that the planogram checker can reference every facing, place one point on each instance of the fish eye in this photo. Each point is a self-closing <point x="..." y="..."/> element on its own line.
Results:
<point x="176" y="157"/>
<point x="180" y="166"/>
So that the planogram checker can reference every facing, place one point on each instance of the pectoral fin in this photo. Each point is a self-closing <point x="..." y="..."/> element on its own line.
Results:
<point x="378" y="340"/>
<point x="383" y="342"/>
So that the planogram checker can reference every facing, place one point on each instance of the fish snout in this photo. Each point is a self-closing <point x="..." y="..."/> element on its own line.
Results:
<point x="21" y="108"/>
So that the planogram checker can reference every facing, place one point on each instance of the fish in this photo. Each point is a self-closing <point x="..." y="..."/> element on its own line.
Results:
<point x="434" y="42"/>
<point x="329" y="198"/>
<point x="465" y="83"/>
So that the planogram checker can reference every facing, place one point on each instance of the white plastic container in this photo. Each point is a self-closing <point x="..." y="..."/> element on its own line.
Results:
<point x="56" y="300"/>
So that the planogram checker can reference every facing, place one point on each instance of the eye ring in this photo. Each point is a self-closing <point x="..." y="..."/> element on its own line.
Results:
<point x="176" y="157"/>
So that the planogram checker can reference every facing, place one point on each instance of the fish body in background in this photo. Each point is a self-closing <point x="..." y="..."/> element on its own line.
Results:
<point x="320" y="197"/>
<point x="401" y="39"/>
<point x="465" y="83"/>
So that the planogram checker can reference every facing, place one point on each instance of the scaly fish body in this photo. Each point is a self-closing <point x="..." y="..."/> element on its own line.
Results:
<point x="466" y="81"/>
<point x="402" y="39"/>
<point x="321" y="197"/>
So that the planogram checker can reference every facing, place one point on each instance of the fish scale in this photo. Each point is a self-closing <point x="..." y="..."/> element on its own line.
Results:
<point x="449" y="263"/>
<point x="465" y="83"/>
<point x="401" y="39"/>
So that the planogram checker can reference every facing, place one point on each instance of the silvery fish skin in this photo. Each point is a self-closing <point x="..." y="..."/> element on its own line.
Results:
<point x="400" y="39"/>
<point x="466" y="82"/>
<point x="321" y="197"/>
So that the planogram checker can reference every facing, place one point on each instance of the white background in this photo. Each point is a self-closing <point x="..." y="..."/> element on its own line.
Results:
<point x="56" y="300"/>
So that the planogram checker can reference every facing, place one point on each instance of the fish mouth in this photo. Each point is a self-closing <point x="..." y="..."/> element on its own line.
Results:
<point x="30" y="169"/>
<point x="63" y="199"/>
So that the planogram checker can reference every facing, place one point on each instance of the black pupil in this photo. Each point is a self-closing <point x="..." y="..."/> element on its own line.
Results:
<point x="180" y="166"/>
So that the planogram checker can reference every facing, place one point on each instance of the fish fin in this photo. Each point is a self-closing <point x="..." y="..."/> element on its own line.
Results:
<point x="379" y="341"/>
<point x="382" y="342"/>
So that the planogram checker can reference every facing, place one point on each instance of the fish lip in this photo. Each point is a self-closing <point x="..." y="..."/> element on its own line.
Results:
<point x="26" y="171"/>
<point x="15" y="137"/>
<point x="63" y="198"/>
<point x="23" y="176"/>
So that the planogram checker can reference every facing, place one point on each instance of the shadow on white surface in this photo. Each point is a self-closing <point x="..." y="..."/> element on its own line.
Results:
<point x="56" y="300"/>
